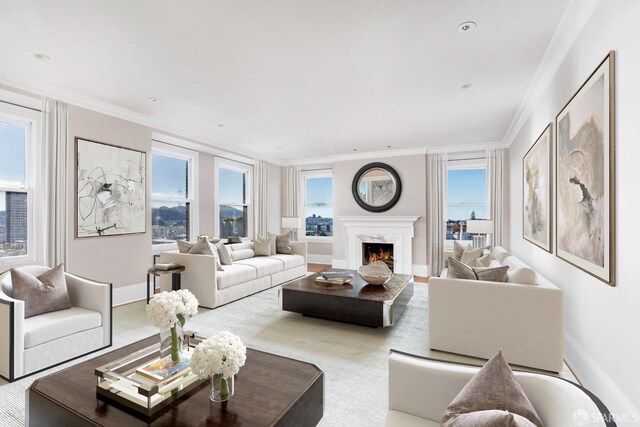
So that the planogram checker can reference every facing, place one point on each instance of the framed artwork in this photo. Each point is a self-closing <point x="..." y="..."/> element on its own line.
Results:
<point x="585" y="230"/>
<point x="536" y="192"/>
<point x="110" y="188"/>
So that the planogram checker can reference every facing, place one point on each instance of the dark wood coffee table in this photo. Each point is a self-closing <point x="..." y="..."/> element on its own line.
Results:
<point x="356" y="302"/>
<point x="270" y="390"/>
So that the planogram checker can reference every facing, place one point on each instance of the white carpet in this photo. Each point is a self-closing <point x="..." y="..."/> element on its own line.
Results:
<point x="353" y="358"/>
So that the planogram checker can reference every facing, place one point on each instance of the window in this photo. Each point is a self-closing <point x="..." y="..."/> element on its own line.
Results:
<point x="172" y="195"/>
<point x="17" y="167"/>
<point x="233" y="211"/>
<point x="318" y="203"/>
<point x="466" y="199"/>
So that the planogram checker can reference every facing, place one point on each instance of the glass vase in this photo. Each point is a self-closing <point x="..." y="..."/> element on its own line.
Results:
<point x="171" y="341"/>
<point x="222" y="388"/>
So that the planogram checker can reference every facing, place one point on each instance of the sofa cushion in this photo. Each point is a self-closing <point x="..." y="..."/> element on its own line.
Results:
<point x="240" y="246"/>
<point x="57" y="324"/>
<point x="289" y="261"/>
<point x="241" y="254"/>
<point x="235" y="274"/>
<point x="499" y="253"/>
<point x="224" y="254"/>
<point x="264" y="265"/>
<point x="42" y="294"/>
<point x="492" y="387"/>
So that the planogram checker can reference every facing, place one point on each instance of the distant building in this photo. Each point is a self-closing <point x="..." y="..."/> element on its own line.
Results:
<point x="17" y="220"/>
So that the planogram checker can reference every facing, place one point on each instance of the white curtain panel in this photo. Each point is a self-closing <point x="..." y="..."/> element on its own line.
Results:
<point x="261" y="186"/>
<point x="56" y="121"/>
<point x="436" y="204"/>
<point x="495" y="181"/>
<point x="293" y="182"/>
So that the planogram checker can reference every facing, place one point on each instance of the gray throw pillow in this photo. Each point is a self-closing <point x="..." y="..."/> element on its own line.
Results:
<point x="262" y="246"/>
<point x="491" y="274"/>
<point x="283" y="243"/>
<point x="489" y="418"/>
<point x="483" y="261"/>
<point x="223" y="254"/>
<point x="42" y="294"/>
<point x="458" y="270"/>
<point x="492" y="388"/>
<point x="202" y="247"/>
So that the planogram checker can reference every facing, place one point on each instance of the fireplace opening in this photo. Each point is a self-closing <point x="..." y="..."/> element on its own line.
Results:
<point x="372" y="252"/>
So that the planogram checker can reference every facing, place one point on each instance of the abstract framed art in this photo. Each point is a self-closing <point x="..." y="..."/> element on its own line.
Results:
<point x="110" y="188"/>
<point x="536" y="192"/>
<point x="585" y="171"/>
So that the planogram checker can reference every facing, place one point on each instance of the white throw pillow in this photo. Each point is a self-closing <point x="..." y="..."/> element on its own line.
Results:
<point x="522" y="275"/>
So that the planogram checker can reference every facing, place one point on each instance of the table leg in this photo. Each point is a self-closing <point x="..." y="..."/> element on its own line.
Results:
<point x="148" y="285"/>
<point x="175" y="282"/>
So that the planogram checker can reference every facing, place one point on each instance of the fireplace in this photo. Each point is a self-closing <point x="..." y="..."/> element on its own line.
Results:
<point x="372" y="252"/>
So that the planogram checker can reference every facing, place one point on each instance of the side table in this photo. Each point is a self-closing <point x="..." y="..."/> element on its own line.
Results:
<point x="175" y="278"/>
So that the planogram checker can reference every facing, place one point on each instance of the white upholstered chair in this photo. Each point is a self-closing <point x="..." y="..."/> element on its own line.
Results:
<point x="420" y="389"/>
<point x="39" y="342"/>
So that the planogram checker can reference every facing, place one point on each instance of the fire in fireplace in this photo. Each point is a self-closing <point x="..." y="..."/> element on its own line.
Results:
<point x="372" y="252"/>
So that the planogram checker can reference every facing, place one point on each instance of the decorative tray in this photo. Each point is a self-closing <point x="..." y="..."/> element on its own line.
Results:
<point x="143" y="384"/>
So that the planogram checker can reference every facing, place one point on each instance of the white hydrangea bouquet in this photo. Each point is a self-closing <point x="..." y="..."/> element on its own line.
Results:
<point x="219" y="357"/>
<point x="168" y="309"/>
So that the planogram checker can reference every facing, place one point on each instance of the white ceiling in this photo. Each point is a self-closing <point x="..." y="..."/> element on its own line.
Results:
<point x="291" y="79"/>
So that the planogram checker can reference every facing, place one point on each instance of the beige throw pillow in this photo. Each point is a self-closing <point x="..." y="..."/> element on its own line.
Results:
<point x="184" y="246"/>
<point x="282" y="243"/>
<point x="42" y="294"/>
<point x="492" y="388"/>
<point x="224" y="254"/>
<point x="470" y="254"/>
<point x="458" y="249"/>
<point x="202" y="247"/>
<point x="491" y="274"/>
<point x="262" y="245"/>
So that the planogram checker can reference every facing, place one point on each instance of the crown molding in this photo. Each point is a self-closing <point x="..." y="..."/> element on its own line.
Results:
<point x="203" y="142"/>
<point x="478" y="146"/>
<point x="573" y="20"/>
<point x="360" y="156"/>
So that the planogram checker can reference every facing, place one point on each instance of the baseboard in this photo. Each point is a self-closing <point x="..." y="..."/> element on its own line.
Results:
<point x="598" y="382"/>
<point x="420" y="270"/>
<point x="339" y="263"/>
<point x="130" y="293"/>
<point x="319" y="259"/>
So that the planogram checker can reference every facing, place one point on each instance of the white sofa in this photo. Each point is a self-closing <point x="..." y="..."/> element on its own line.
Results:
<point x="478" y="318"/>
<point x="420" y="390"/>
<point x="240" y="279"/>
<point x="38" y="342"/>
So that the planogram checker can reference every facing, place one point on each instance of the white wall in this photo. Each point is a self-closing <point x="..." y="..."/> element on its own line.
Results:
<point x="602" y="324"/>
<point x="413" y="201"/>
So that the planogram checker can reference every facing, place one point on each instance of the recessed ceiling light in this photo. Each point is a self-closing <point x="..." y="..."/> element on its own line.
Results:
<point x="388" y="146"/>
<point x="355" y="149"/>
<point x="465" y="27"/>
<point x="220" y="125"/>
<point x="154" y="100"/>
<point x="42" y="57"/>
<point x="278" y="148"/>
<point x="466" y="86"/>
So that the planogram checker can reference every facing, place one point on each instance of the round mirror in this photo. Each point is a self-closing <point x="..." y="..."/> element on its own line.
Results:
<point x="376" y="187"/>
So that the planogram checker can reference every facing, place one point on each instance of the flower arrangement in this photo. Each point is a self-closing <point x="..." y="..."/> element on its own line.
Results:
<point x="220" y="356"/>
<point x="166" y="309"/>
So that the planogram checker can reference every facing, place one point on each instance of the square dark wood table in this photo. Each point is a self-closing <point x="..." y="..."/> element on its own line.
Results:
<point x="270" y="390"/>
<point x="356" y="302"/>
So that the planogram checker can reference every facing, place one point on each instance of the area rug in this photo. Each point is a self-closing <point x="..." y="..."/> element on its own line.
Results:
<point x="353" y="358"/>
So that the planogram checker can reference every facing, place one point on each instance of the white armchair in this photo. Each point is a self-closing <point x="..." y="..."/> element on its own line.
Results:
<point x="420" y="389"/>
<point x="42" y="341"/>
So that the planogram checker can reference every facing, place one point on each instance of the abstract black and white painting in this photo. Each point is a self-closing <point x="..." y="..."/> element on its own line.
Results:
<point x="536" y="192"/>
<point x="110" y="189"/>
<point x="584" y="176"/>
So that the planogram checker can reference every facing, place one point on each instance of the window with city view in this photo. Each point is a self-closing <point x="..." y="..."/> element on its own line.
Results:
<point x="14" y="219"/>
<point x="318" y="203"/>
<point x="170" y="216"/>
<point x="233" y="201"/>
<point x="466" y="199"/>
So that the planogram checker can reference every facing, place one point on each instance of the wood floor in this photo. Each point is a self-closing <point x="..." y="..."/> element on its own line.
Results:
<point x="319" y="267"/>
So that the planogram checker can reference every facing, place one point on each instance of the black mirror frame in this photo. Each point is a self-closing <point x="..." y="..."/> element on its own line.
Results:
<point x="356" y="193"/>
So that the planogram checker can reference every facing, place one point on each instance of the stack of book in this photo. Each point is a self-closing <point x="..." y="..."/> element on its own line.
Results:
<point x="334" y="277"/>
<point x="167" y="266"/>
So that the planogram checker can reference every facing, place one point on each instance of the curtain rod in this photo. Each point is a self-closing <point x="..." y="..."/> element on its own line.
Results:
<point x="21" y="106"/>
<point x="471" y="158"/>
